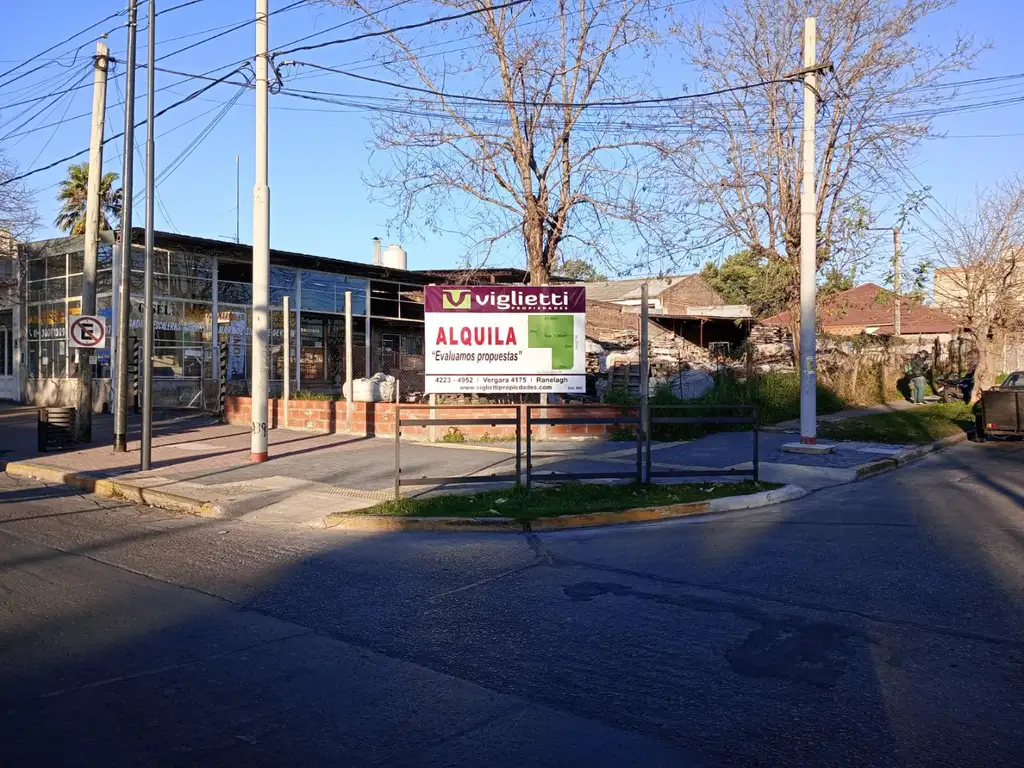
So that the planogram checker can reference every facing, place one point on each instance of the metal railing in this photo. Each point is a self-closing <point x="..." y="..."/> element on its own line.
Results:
<point x="753" y="419"/>
<point x="490" y="421"/>
<point x="633" y="421"/>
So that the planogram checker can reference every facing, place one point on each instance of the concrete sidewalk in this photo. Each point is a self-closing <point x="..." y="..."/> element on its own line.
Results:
<point x="793" y="425"/>
<point x="202" y="467"/>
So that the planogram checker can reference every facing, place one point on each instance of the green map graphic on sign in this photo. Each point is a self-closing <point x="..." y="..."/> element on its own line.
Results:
<point x="554" y="332"/>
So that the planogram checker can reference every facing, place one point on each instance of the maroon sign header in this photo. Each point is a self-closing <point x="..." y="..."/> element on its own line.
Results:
<point x="570" y="299"/>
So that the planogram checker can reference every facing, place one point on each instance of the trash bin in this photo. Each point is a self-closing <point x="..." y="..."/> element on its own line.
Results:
<point x="56" y="428"/>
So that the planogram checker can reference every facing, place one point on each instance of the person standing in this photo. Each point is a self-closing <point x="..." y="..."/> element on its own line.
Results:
<point x="919" y="371"/>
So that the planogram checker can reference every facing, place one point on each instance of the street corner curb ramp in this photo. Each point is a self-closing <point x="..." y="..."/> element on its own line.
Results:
<point x="114" y="489"/>
<point x="392" y="523"/>
<point x="906" y="457"/>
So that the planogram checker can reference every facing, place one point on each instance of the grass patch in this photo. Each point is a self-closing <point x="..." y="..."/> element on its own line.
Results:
<point x="566" y="499"/>
<point x="777" y="396"/>
<point x="915" y="426"/>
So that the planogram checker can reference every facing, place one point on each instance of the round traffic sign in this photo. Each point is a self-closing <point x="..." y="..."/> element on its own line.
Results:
<point x="88" y="331"/>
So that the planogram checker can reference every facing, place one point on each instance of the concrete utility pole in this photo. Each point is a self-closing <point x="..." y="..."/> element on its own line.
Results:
<point x="287" y="356"/>
<point x="92" y="235"/>
<point x="645" y="411"/>
<point x="260" y="246"/>
<point x="348" y="355"/>
<point x="147" y="312"/>
<point x="897" y="279"/>
<point x="125" y="271"/>
<point x="808" y="245"/>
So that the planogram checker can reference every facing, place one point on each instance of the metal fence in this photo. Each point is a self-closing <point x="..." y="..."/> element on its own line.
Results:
<point x="753" y="420"/>
<point x="633" y="421"/>
<point x="456" y="422"/>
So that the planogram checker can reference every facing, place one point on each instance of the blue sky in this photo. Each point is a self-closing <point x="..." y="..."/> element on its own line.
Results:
<point x="318" y="152"/>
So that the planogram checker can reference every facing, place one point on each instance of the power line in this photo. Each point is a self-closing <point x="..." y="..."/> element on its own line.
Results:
<point x="404" y="27"/>
<point x="56" y="45"/>
<point x="524" y="103"/>
<point x="163" y="111"/>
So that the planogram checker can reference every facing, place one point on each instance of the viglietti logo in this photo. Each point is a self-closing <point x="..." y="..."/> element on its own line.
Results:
<point x="457" y="299"/>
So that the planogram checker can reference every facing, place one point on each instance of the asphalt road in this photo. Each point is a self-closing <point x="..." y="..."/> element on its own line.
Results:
<point x="873" y="624"/>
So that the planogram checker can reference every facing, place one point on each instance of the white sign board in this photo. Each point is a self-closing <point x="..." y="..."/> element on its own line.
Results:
<point x="87" y="332"/>
<point x="505" y="338"/>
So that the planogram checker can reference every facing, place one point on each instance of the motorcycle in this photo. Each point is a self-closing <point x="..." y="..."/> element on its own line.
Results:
<point x="955" y="389"/>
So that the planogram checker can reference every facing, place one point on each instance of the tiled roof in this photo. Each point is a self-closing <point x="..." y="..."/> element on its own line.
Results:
<point x="871" y="306"/>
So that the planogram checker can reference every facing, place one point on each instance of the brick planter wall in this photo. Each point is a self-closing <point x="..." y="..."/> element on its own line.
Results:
<point x="378" y="419"/>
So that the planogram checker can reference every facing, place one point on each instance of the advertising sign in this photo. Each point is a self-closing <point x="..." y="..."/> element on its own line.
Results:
<point x="505" y="338"/>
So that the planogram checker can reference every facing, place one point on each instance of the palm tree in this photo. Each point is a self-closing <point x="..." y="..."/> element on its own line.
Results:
<point x="73" y="193"/>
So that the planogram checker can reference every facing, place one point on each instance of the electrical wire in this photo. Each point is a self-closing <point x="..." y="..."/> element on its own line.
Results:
<point x="557" y="104"/>
<point x="404" y="27"/>
<point x="54" y="46"/>
<point x="164" y="111"/>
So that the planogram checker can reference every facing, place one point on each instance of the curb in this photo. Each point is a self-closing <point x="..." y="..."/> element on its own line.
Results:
<point x="905" y="457"/>
<point x="114" y="489"/>
<point x="391" y="524"/>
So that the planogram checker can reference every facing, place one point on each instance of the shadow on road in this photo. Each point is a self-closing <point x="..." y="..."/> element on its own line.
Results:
<point x="880" y="623"/>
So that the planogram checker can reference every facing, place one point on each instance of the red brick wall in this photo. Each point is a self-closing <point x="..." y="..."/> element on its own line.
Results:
<point x="378" y="419"/>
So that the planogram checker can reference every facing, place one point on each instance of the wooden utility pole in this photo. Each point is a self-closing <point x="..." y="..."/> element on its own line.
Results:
<point x="101" y="64"/>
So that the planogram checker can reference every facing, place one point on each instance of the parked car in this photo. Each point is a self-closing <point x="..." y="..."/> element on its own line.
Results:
<point x="1002" y="409"/>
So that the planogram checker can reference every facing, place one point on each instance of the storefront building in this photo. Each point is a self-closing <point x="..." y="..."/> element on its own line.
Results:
<point x="202" y="302"/>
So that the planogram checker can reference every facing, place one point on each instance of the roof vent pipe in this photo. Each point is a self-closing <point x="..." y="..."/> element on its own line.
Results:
<point x="376" y="251"/>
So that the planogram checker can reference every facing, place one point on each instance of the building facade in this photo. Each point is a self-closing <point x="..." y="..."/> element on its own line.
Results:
<point x="202" y="306"/>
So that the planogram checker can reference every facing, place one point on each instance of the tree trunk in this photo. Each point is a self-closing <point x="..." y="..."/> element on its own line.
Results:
<point x="984" y="374"/>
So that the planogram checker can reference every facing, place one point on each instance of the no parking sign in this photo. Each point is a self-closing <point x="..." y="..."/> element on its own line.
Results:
<point x="87" y="332"/>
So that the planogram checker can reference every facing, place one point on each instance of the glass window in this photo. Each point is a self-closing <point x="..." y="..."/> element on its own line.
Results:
<point x="32" y="320"/>
<point x="75" y="285"/>
<point x="56" y="266"/>
<point x="277" y="344"/>
<point x="52" y="320"/>
<point x="104" y="281"/>
<point x="186" y="264"/>
<point x="234" y="271"/>
<point x="322" y="292"/>
<point x="384" y="299"/>
<point x="234" y="293"/>
<point x="76" y="262"/>
<point x="190" y="288"/>
<point x="37" y="269"/>
<point x="105" y="257"/>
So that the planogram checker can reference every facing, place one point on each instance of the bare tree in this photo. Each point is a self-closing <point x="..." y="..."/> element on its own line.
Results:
<point x="746" y="172"/>
<point x="516" y="136"/>
<point x="17" y="221"/>
<point x="979" y="276"/>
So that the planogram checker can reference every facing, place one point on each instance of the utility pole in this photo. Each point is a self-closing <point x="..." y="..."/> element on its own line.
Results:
<point x="238" y="205"/>
<point x="147" y="312"/>
<point x="260" y="246"/>
<point x="808" y="244"/>
<point x="897" y="259"/>
<point x="125" y="271"/>
<point x="101" y="65"/>
<point x="645" y="411"/>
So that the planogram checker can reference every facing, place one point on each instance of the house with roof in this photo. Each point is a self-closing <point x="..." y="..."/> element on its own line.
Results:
<point x="871" y="309"/>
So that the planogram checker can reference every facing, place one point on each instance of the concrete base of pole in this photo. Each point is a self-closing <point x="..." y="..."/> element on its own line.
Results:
<point x="814" y="449"/>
